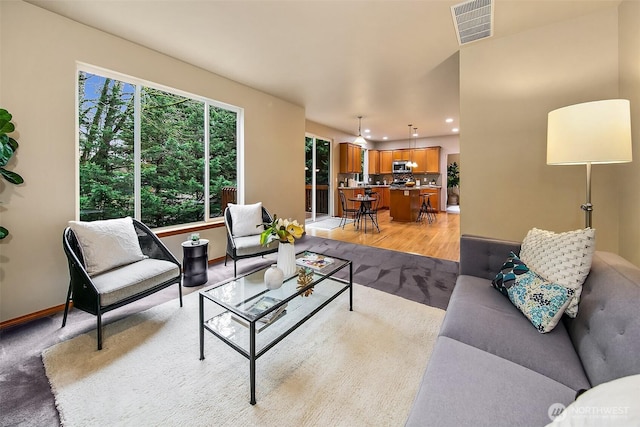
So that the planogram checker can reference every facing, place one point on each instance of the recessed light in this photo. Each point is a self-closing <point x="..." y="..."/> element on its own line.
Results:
<point x="415" y="134"/>
<point x="367" y="130"/>
<point x="449" y="120"/>
<point x="385" y="137"/>
<point x="455" y="130"/>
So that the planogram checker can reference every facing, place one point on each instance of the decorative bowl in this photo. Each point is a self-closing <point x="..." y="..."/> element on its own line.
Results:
<point x="409" y="183"/>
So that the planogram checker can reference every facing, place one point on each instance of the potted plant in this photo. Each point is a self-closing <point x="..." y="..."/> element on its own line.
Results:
<point x="453" y="181"/>
<point x="8" y="146"/>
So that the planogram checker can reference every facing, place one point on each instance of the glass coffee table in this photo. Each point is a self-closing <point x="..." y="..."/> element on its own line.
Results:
<point x="236" y="310"/>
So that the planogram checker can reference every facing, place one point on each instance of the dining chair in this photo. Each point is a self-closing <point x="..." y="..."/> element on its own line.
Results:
<point x="346" y="210"/>
<point x="371" y="210"/>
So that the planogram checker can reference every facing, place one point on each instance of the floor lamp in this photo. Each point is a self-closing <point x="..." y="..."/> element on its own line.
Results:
<point x="590" y="133"/>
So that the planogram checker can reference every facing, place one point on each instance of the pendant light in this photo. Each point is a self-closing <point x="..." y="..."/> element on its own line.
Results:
<point x="360" y="140"/>
<point x="415" y="145"/>
<point x="411" y="163"/>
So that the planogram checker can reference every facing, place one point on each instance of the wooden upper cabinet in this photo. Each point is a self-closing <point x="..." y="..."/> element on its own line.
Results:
<point x="386" y="160"/>
<point x="374" y="162"/>
<point x="350" y="158"/>
<point x="433" y="160"/>
<point x="420" y="157"/>
<point x="401" y="154"/>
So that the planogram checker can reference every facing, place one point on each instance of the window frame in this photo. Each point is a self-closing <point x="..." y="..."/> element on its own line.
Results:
<point x="207" y="102"/>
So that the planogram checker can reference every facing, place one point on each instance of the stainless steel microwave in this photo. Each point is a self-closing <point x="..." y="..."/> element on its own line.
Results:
<point x="401" y="166"/>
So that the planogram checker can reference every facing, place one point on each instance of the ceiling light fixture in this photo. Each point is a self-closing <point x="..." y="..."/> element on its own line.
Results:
<point x="360" y="140"/>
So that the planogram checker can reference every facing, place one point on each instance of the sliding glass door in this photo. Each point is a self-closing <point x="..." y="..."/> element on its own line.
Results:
<point x="317" y="173"/>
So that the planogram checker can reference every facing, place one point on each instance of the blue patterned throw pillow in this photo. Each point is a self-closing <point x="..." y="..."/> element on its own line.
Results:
<point x="506" y="278"/>
<point x="542" y="302"/>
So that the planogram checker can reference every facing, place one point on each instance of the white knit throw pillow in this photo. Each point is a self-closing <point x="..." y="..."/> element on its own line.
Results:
<point x="107" y="244"/>
<point x="563" y="258"/>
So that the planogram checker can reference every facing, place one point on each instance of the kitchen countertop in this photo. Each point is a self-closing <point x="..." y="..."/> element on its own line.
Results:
<point x="422" y="187"/>
<point x="362" y="187"/>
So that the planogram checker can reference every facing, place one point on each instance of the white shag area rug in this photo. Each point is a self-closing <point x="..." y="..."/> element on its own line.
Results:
<point x="341" y="368"/>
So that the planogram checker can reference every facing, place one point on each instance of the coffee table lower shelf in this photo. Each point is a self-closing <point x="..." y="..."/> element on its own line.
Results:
<point x="256" y="339"/>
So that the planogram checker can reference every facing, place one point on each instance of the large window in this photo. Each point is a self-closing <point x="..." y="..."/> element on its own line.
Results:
<point x="158" y="155"/>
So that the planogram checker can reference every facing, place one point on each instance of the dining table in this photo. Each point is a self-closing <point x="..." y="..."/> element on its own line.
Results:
<point x="364" y="210"/>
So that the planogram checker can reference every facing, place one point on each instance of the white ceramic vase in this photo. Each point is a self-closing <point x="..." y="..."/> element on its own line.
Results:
<point x="273" y="277"/>
<point x="287" y="259"/>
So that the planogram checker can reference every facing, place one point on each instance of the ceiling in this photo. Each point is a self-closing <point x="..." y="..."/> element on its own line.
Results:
<point x="394" y="62"/>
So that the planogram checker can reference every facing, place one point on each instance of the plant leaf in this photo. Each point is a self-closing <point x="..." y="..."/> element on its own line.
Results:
<point x="5" y="154"/>
<point x="3" y="232"/>
<point x="7" y="127"/>
<point x="12" y="177"/>
<point x="13" y="143"/>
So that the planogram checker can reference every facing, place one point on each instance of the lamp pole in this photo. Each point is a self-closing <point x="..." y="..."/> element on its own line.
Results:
<point x="588" y="207"/>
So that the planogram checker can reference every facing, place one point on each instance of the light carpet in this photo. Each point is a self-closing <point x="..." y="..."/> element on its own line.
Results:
<point x="341" y="368"/>
<point x="327" y="224"/>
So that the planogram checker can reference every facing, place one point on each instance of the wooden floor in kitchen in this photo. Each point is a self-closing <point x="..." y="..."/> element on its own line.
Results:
<point x="440" y="239"/>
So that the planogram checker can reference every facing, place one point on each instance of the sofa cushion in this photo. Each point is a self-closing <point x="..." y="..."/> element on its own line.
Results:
<point x="479" y="316"/>
<point x="465" y="386"/>
<point x="563" y="258"/>
<point x="120" y="283"/>
<point x="245" y="219"/>
<point x="606" y="332"/>
<point x="107" y="244"/>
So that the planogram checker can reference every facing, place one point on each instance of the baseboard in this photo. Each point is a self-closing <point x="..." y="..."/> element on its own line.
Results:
<point x="53" y="310"/>
<point x="33" y="316"/>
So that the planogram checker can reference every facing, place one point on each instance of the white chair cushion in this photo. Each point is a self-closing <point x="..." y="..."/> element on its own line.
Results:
<point x="107" y="244"/>
<point x="249" y="245"/>
<point x="123" y="282"/>
<point x="245" y="219"/>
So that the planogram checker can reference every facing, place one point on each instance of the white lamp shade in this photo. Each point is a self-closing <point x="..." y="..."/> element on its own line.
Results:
<point x="360" y="140"/>
<point x="592" y="132"/>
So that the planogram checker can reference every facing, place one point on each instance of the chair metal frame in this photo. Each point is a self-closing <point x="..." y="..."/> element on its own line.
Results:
<point x="232" y="251"/>
<point x="83" y="292"/>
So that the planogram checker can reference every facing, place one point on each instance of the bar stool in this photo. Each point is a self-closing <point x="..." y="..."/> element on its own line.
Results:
<point x="425" y="209"/>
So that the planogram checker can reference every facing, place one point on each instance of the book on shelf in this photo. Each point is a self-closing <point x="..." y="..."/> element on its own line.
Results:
<point x="260" y="325"/>
<point x="314" y="261"/>
<point x="263" y="304"/>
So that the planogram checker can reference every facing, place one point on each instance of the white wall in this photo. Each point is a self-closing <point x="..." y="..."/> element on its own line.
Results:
<point x="508" y="86"/>
<point x="629" y="174"/>
<point x="38" y="57"/>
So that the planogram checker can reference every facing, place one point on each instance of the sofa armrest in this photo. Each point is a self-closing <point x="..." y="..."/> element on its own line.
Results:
<point x="483" y="256"/>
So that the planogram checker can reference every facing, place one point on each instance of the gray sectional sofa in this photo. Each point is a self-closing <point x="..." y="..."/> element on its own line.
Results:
<point x="491" y="367"/>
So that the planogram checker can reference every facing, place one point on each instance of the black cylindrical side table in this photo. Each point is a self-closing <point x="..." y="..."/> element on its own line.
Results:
<point x="195" y="262"/>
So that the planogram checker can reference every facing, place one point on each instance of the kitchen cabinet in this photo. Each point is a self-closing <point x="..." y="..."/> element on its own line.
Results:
<point x="384" y="193"/>
<point x="428" y="160"/>
<point x="350" y="158"/>
<point x="433" y="160"/>
<point x="401" y="154"/>
<point x="420" y="157"/>
<point x="374" y="162"/>
<point x="386" y="160"/>
<point x="348" y="193"/>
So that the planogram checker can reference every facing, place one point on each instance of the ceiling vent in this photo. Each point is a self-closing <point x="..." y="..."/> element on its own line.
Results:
<point x="473" y="20"/>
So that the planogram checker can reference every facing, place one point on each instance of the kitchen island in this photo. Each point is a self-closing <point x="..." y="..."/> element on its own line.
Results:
<point x="405" y="202"/>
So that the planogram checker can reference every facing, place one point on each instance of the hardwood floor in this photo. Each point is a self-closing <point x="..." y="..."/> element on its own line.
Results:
<point x="440" y="239"/>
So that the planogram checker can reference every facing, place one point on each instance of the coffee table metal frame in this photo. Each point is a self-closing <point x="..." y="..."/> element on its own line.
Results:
<point x="236" y="309"/>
